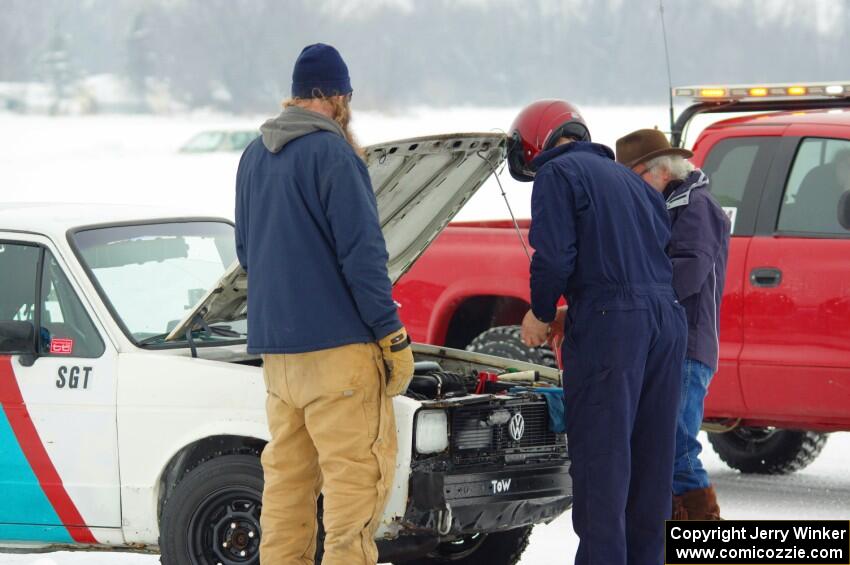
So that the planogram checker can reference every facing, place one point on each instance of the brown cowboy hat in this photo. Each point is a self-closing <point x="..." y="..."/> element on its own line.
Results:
<point x="645" y="144"/>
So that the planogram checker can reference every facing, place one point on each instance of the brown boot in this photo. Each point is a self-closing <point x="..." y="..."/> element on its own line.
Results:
<point x="679" y="510"/>
<point x="701" y="504"/>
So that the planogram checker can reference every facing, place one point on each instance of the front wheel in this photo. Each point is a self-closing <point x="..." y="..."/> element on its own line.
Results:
<point x="213" y="514"/>
<point x="501" y="548"/>
<point x="767" y="451"/>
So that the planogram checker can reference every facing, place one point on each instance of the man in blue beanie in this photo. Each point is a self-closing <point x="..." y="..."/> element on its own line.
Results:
<point x="321" y="313"/>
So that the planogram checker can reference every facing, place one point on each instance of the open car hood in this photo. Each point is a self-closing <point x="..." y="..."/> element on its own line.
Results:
<point x="420" y="185"/>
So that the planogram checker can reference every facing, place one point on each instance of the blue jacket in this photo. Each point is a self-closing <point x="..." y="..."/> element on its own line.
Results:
<point x="308" y="235"/>
<point x="595" y="225"/>
<point x="699" y="248"/>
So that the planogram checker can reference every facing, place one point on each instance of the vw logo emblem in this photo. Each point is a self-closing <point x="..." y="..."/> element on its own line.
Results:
<point x="516" y="426"/>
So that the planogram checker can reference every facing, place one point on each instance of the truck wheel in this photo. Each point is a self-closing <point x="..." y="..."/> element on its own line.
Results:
<point x="767" y="451"/>
<point x="504" y="341"/>
<point x="213" y="514"/>
<point x="501" y="548"/>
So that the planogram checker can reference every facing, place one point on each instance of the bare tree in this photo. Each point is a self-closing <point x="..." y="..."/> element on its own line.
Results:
<point x="236" y="55"/>
<point x="57" y="67"/>
<point x="140" y="59"/>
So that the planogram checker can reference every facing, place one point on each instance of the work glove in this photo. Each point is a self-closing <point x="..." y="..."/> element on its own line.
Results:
<point x="398" y="359"/>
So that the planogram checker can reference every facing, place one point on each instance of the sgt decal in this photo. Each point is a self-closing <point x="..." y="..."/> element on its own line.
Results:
<point x="73" y="377"/>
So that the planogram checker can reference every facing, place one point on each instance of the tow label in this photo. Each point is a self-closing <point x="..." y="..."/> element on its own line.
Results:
<point x="501" y="486"/>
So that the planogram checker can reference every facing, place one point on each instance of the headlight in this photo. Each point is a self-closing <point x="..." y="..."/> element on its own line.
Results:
<point x="432" y="431"/>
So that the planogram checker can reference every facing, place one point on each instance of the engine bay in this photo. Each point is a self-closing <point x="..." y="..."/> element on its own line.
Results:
<point x="431" y="382"/>
<point x="441" y="373"/>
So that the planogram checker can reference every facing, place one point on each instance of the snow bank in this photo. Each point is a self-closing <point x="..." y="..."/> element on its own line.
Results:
<point x="134" y="159"/>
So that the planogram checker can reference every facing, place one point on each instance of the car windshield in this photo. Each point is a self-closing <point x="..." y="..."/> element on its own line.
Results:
<point x="152" y="274"/>
<point x="203" y="142"/>
<point x="209" y="141"/>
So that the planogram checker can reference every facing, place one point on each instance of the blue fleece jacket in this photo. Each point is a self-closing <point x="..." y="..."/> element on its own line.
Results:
<point x="594" y="225"/>
<point x="699" y="248"/>
<point x="308" y="235"/>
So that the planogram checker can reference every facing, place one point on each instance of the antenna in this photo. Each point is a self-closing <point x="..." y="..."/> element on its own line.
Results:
<point x="667" y="57"/>
<point x="508" y="204"/>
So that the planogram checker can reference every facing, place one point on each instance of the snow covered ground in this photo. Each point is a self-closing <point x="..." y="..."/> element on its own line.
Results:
<point x="821" y="491"/>
<point x="135" y="160"/>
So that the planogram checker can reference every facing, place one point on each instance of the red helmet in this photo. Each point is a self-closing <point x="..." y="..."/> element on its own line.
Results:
<point x="537" y="128"/>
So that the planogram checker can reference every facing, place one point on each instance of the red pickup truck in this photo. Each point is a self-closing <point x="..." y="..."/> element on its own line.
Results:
<point x="784" y="375"/>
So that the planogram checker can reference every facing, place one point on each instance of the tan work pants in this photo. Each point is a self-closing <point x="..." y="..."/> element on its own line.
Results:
<point x="333" y="431"/>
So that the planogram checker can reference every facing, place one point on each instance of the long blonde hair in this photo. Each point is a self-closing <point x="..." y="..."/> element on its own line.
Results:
<point x="341" y="114"/>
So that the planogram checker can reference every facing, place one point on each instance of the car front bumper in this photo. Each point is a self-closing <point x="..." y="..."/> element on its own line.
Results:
<point x="450" y="504"/>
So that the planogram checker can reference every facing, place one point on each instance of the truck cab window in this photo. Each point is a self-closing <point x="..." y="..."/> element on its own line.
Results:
<point x="67" y="329"/>
<point x="819" y="176"/>
<point x="731" y="169"/>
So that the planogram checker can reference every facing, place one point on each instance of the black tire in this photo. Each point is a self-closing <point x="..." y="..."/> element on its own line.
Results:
<point x="767" y="451"/>
<point x="237" y="473"/>
<point x="504" y="341"/>
<point x="501" y="548"/>
<point x="198" y="516"/>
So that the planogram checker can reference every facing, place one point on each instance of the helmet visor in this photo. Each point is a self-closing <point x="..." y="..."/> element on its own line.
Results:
<point x="519" y="168"/>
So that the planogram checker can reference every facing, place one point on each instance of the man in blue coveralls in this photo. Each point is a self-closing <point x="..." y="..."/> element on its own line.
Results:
<point x="699" y="249"/>
<point x="599" y="234"/>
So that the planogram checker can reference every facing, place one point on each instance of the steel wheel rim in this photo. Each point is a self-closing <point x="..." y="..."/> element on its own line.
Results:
<point x="225" y="528"/>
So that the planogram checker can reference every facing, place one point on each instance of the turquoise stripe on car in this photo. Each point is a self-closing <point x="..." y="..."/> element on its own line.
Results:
<point x="26" y="514"/>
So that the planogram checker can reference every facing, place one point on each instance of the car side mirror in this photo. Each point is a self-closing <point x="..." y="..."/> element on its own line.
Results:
<point x="844" y="210"/>
<point x="18" y="338"/>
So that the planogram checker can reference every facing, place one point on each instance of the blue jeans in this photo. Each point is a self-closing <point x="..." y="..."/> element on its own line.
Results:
<point x="688" y="473"/>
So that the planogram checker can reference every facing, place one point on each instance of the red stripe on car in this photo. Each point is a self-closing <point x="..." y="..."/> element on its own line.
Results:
<point x="39" y="460"/>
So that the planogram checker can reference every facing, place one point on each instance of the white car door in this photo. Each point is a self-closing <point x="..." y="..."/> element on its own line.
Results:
<point x="58" y="437"/>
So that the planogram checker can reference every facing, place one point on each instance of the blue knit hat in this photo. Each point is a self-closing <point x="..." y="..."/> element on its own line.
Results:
<point x="320" y="66"/>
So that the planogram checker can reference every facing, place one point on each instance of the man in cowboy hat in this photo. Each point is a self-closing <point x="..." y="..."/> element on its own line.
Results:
<point x="698" y="249"/>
